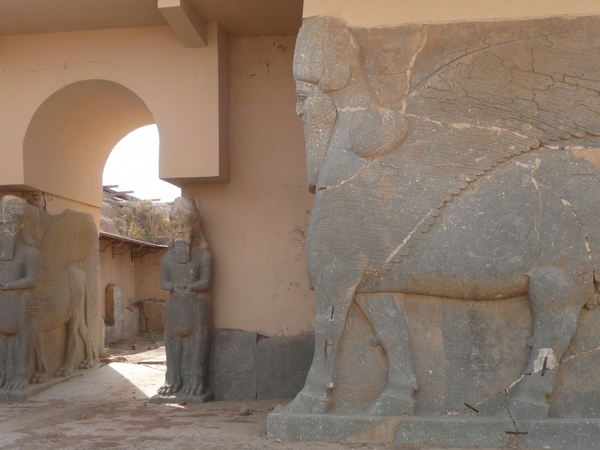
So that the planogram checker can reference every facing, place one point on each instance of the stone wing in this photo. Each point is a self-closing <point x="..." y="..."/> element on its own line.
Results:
<point x="486" y="107"/>
<point x="68" y="241"/>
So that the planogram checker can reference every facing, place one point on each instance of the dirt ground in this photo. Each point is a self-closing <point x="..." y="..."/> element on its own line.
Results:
<point x="108" y="408"/>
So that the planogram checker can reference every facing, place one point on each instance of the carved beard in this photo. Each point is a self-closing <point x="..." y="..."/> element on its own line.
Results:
<point x="8" y="245"/>
<point x="319" y="121"/>
<point x="181" y="252"/>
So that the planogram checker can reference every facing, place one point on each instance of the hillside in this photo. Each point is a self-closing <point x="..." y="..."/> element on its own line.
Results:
<point x="124" y="215"/>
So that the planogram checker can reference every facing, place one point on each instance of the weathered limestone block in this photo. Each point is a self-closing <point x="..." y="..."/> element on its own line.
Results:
<point x="114" y="318"/>
<point x="152" y="315"/>
<point x="48" y="279"/>
<point x="186" y="272"/>
<point x="121" y="322"/>
<point x="451" y="164"/>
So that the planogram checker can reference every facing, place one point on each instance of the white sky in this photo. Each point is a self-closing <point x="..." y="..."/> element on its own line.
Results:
<point x="133" y="165"/>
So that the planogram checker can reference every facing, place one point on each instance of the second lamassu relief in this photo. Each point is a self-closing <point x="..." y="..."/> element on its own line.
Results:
<point x="48" y="293"/>
<point x="454" y="237"/>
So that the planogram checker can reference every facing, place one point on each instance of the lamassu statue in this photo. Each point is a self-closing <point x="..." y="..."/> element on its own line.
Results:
<point x="45" y="264"/>
<point x="186" y="272"/>
<point x="449" y="172"/>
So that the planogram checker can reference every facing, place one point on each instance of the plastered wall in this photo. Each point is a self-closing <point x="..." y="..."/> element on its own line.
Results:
<point x="119" y="270"/>
<point x="378" y="13"/>
<point x="147" y="276"/>
<point x="68" y="98"/>
<point x="256" y="224"/>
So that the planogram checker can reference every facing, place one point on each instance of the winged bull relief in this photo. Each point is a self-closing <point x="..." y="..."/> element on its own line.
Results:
<point x="48" y="273"/>
<point x="462" y="169"/>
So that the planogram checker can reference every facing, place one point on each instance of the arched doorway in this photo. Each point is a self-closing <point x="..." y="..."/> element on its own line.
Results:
<point x="72" y="133"/>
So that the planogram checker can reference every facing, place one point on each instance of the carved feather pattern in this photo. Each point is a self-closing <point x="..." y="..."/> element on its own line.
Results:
<point x="483" y="109"/>
<point x="68" y="242"/>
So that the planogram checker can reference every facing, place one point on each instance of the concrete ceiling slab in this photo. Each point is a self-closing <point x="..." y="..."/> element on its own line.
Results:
<point x="237" y="17"/>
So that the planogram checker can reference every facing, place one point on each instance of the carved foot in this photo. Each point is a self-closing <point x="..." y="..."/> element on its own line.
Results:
<point x="194" y="388"/>
<point x="85" y="364"/>
<point x="389" y="405"/>
<point x="62" y="372"/>
<point x="38" y="378"/>
<point x="307" y="404"/>
<point x="169" y="389"/>
<point x="165" y="390"/>
<point x="2" y="381"/>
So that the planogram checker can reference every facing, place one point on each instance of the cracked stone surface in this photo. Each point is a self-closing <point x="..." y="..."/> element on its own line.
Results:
<point x="454" y="239"/>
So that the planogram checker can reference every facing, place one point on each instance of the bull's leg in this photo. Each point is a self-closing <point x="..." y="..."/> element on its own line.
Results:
<point x="556" y="299"/>
<point x="75" y="287"/>
<point x="71" y="328"/>
<point x="334" y="292"/>
<point x="3" y="360"/>
<point x="84" y="334"/>
<point x="81" y="301"/>
<point x="40" y="374"/>
<point x="390" y="328"/>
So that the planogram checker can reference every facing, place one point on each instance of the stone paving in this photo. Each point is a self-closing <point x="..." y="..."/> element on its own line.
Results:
<point x="108" y="407"/>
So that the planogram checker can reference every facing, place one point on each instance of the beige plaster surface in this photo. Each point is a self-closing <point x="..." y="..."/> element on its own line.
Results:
<point x="116" y="269"/>
<point x="377" y="13"/>
<point x="69" y="97"/>
<point x="238" y="17"/>
<point x="256" y="224"/>
<point x="139" y="279"/>
<point x="147" y="276"/>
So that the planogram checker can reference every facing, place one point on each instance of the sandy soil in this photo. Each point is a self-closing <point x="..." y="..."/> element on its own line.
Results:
<point x="108" y="408"/>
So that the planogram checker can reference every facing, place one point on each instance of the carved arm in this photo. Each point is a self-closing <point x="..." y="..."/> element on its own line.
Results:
<point x="205" y="272"/>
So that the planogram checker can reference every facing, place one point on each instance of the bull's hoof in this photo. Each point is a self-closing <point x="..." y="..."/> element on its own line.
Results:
<point x="307" y="404"/>
<point x="528" y="410"/>
<point x="386" y="405"/>
<point x="85" y="364"/>
<point x="38" y="378"/>
<point x="62" y="372"/>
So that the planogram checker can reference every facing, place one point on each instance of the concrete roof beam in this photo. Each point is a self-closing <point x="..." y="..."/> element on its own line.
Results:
<point x="189" y="26"/>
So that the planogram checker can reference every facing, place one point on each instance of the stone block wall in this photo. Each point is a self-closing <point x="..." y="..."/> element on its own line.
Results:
<point x="247" y="366"/>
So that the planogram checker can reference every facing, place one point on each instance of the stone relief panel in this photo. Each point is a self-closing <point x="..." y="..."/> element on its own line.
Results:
<point x="48" y="296"/>
<point x="186" y="273"/>
<point x="454" y="239"/>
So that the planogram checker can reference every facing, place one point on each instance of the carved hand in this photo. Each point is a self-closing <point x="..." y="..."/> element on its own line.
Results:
<point x="180" y="287"/>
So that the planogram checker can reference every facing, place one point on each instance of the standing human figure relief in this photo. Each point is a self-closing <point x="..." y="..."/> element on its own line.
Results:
<point x="186" y="273"/>
<point x="19" y="267"/>
<point x="408" y="194"/>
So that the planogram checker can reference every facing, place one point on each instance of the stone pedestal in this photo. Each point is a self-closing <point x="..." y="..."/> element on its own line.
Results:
<point x="436" y="430"/>
<point x="207" y="396"/>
